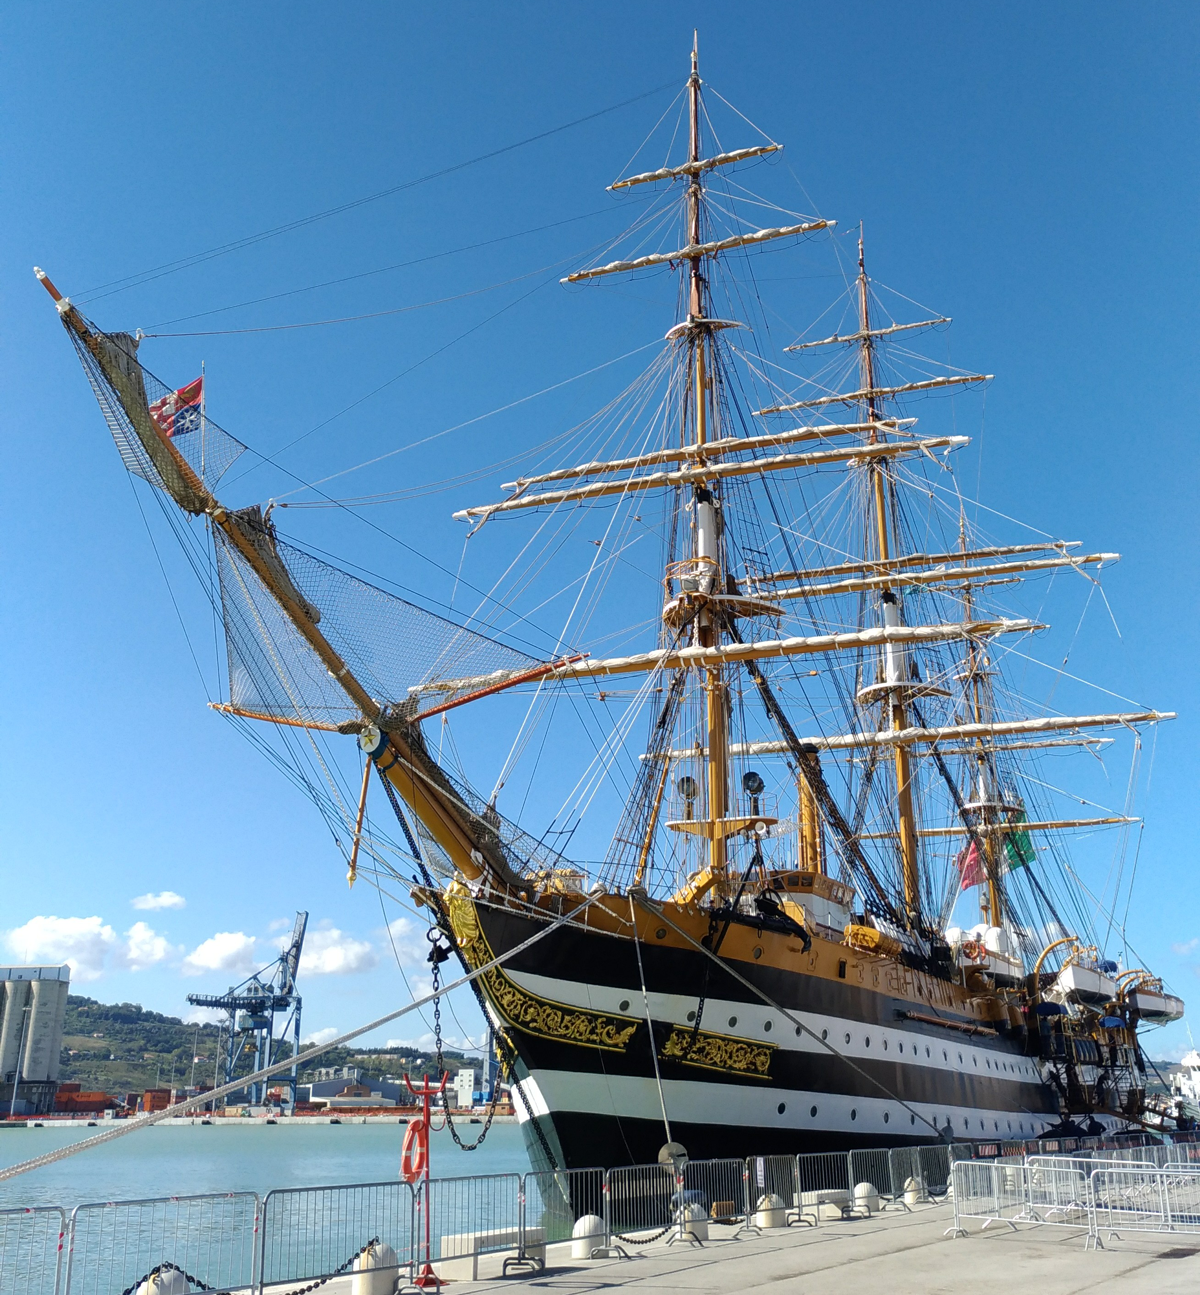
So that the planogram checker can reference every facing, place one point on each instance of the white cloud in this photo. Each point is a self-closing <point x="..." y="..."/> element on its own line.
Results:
<point x="328" y="951"/>
<point x="83" y="942"/>
<point x="1189" y="946"/>
<point x="320" y="1036"/>
<point x="144" y="947"/>
<point x="409" y="941"/>
<point x="205" y="1016"/>
<point x="225" y="951"/>
<point x="164" y="899"/>
<point x="427" y="1043"/>
<point x="280" y="924"/>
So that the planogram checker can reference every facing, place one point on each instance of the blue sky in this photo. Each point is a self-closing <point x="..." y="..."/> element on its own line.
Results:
<point x="1028" y="169"/>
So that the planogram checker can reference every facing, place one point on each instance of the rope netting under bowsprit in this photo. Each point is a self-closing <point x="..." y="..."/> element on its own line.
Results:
<point x="391" y="646"/>
<point x="132" y="399"/>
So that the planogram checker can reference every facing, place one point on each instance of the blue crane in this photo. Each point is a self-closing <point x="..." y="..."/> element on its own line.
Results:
<point x="252" y="1008"/>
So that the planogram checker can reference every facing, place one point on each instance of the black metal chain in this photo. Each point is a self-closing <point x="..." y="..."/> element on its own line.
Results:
<point x="438" y="955"/>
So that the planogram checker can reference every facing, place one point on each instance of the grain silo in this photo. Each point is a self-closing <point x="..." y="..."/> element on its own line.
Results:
<point x="33" y="1003"/>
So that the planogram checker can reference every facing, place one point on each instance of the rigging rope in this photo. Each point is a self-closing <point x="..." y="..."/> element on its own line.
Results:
<point x="301" y="1058"/>
<point x="115" y="286"/>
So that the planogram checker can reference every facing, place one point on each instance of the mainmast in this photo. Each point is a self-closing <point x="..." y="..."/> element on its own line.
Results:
<point x="895" y="674"/>
<point x="706" y="527"/>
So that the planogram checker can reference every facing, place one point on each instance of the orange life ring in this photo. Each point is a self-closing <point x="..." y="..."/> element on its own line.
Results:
<point x="414" y="1157"/>
<point x="973" y="951"/>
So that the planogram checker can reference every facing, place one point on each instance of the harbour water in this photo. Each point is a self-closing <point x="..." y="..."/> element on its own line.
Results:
<point x="226" y="1156"/>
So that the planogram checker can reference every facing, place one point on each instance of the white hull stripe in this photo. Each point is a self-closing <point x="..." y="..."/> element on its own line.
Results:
<point x="694" y="1102"/>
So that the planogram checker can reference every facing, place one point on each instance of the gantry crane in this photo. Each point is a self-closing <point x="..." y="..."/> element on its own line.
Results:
<point x="252" y="1008"/>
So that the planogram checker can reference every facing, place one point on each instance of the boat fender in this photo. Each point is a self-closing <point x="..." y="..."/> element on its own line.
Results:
<point x="414" y="1155"/>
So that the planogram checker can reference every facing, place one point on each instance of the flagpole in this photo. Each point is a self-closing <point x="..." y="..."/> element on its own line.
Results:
<point x="203" y="425"/>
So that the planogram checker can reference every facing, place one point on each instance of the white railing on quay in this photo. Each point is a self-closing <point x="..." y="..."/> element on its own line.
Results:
<point x="31" y="1250"/>
<point x="297" y="1236"/>
<point x="118" y="1246"/>
<point x="464" y="1218"/>
<point x="312" y="1234"/>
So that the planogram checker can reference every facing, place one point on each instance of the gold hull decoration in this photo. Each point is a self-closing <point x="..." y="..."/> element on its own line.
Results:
<point x="719" y="1052"/>
<point x="529" y="1012"/>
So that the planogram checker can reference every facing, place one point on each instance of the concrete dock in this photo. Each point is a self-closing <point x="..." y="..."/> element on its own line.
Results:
<point x="891" y="1252"/>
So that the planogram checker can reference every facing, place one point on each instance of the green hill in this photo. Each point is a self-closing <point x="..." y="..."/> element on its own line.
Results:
<point x="119" y="1048"/>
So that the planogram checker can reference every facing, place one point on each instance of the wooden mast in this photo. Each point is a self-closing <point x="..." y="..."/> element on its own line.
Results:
<point x="990" y="894"/>
<point x="891" y="610"/>
<point x="707" y="547"/>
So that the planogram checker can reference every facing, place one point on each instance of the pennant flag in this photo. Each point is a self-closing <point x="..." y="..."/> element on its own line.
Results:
<point x="179" y="412"/>
<point x="970" y="865"/>
<point x="1018" y="849"/>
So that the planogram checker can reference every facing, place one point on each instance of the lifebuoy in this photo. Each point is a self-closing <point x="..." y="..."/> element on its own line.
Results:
<point x="973" y="951"/>
<point x="414" y="1157"/>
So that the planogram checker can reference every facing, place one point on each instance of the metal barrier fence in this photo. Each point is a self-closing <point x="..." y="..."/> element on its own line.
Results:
<point x="239" y="1242"/>
<point x="1128" y="1198"/>
<point x="314" y="1233"/>
<point x="775" y="1178"/>
<point x="31" y="1250"/>
<point x="639" y="1201"/>
<point x="463" y="1218"/>
<point x="1088" y="1194"/>
<point x="994" y="1191"/>
<point x="558" y="1205"/>
<point x="117" y="1246"/>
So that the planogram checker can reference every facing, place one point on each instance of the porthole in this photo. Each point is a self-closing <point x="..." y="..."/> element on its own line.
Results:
<point x="732" y="1022"/>
<point x="781" y="1107"/>
<point x="900" y="1047"/>
<point x="868" y="1041"/>
<point x="989" y="1064"/>
<point x="767" y="1026"/>
<point x="813" y="1112"/>
<point x="799" y="1030"/>
<point x="912" y="1119"/>
<point x="854" y="1115"/>
<point x="885" y="1045"/>
<point x="976" y="1062"/>
<point x="946" y="1055"/>
<point x="757" y="952"/>
<point x="960" y="1058"/>
<point x="847" y="1038"/>
<point x="996" y="1125"/>
<point x="824" y="1034"/>
<point x="691" y="1016"/>
<point x="624" y="1005"/>
<point x="661" y="934"/>
<point x="886" y="1117"/>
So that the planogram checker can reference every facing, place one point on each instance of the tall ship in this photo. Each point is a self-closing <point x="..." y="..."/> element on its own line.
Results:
<point x="835" y="901"/>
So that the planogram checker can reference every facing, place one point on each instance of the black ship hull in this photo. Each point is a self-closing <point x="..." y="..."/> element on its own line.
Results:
<point x="605" y="1068"/>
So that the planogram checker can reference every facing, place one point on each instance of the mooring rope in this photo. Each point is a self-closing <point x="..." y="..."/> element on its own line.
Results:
<point x="201" y="1099"/>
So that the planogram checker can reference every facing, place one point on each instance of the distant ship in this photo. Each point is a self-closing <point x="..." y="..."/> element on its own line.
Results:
<point x="765" y="961"/>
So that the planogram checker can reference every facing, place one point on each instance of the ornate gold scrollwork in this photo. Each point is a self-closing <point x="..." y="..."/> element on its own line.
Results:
<point x="530" y="1012"/>
<point x="719" y="1052"/>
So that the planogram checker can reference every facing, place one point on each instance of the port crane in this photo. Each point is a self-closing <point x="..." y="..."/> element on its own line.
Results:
<point x="252" y="1008"/>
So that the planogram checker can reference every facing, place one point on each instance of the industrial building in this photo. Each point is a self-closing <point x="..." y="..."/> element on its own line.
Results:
<point x="33" y="1005"/>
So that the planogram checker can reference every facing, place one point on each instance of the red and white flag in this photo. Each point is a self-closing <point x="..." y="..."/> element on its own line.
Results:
<point x="970" y="865"/>
<point x="179" y="411"/>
